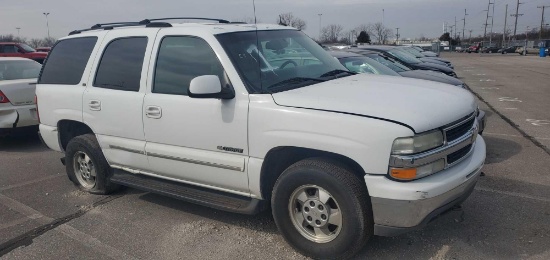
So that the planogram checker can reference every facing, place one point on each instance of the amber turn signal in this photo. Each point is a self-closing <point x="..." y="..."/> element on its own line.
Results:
<point x="403" y="174"/>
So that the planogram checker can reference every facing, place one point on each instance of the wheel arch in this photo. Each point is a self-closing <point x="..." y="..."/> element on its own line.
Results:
<point x="280" y="158"/>
<point x="68" y="129"/>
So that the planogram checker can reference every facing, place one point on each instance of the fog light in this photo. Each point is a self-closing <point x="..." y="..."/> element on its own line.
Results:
<point x="408" y="174"/>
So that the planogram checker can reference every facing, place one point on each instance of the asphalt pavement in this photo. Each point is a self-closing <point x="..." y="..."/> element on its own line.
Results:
<point x="44" y="216"/>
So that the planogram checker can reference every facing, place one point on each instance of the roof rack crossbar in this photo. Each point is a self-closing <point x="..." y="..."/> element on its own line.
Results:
<point x="184" y="18"/>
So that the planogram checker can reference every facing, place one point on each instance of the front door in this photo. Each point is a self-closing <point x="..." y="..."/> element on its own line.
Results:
<point x="197" y="141"/>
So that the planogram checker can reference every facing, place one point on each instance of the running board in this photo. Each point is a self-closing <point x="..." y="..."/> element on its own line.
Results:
<point x="190" y="193"/>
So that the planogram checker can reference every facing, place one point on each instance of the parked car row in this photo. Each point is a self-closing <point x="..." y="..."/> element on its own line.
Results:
<point x="21" y="50"/>
<point x="243" y="119"/>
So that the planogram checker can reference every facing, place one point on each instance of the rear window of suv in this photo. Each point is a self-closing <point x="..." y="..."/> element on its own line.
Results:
<point x="67" y="60"/>
<point x="121" y="64"/>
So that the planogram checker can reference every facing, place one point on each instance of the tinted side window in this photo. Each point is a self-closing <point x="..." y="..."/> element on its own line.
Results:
<point x="67" y="60"/>
<point x="10" y="49"/>
<point x="120" y="66"/>
<point x="182" y="58"/>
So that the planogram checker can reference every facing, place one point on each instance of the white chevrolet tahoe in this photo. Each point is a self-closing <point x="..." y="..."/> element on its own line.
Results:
<point x="245" y="117"/>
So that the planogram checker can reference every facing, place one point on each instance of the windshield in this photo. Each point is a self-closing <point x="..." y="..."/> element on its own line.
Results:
<point x="283" y="60"/>
<point x="404" y="56"/>
<point x="395" y="66"/>
<point x="19" y="69"/>
<point x="366" y="65"/>
<point x="27" y="48"/>
<point x="413" y="52"/>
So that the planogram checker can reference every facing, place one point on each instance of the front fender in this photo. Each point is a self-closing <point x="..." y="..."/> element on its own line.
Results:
<point x="365" y="140"/>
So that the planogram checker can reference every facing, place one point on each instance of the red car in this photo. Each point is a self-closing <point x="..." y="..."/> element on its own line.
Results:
<point x="476" y="47"/>
<point x="13" y="49"/>
<point x="44" y="49"/>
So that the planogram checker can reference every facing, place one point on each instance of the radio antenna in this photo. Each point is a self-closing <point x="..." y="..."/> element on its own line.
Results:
<point x="254" y="6"/>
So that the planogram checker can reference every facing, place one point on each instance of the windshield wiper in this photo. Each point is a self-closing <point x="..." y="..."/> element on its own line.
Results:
<point x="337" y="72"/>
<point x="294" y="81"/>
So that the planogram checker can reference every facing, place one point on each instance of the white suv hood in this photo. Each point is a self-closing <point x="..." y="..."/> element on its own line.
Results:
<point x="422" y="105"/>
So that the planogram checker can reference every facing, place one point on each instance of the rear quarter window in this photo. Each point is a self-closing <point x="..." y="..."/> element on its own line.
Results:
<point x="67" y="60"/>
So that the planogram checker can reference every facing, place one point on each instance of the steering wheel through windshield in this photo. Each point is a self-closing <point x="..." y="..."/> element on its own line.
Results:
<point x="288" y="62"/>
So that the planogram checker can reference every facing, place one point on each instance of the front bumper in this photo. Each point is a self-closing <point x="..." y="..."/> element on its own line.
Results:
<point x="400" y="207"/>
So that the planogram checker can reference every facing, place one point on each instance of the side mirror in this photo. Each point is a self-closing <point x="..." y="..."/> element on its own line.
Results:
<point x="209" y="86"/>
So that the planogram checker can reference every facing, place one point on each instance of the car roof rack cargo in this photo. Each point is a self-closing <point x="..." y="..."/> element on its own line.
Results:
<point x="146" y="22"/>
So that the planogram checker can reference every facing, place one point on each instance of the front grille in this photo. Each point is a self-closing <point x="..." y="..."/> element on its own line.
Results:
<point x="460" y="130"/>
<point x="451" y="158"/>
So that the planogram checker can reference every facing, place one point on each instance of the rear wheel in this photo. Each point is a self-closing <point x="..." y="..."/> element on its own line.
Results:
<point x="322" y="209"/>
<point x="86" y="166"/>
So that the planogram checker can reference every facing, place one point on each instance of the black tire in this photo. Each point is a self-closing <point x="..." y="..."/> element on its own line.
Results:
<point x="348" y="191"/>
<point x="88" y="144"/>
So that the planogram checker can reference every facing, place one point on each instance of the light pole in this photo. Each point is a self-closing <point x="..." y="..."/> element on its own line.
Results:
<point x="18" y="28"/>
<point x="320" y="28"/>
<point x="47" y="23"/>
<point x="397" y="36"/>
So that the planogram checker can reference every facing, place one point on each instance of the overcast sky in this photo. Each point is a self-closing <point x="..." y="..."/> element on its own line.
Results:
<point x="413" y="17"/>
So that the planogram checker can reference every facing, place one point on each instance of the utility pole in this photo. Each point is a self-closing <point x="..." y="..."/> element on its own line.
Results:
<point x="320" y="28"/>
<point x="456" y="28"/>
<point x="47" y="23"/>
<point x="487" y="19"/>
<point x="464" y="26"/>
<point x="504" y="33"/>
<point x="516" y="15"/>
<point x="542" y="20"/>
<point x="492" y="23"/>
<point x="397" y="35"/>
<point x="18" y="28"/>
<point x="383" y="16"/>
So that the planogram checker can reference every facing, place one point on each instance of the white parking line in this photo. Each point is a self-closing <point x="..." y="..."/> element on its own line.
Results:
<point x="536" y="122"/>
<point x="93" y="243"/>
<point x="9" y="187"/>
<point x="23" y="209"/>
<point x="509" y="99"/>
<point x="541" y="138"/>
<point x="513" y="194"/>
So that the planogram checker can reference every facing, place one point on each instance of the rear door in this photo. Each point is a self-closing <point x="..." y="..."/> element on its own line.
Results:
<point x="63" y="78"/>
<point x="112" y="102"/>
<point x="198" y="141"/>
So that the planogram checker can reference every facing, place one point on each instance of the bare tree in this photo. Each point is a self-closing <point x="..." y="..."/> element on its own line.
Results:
<point x="364" y="27"/>
<point x="331" y="33"/>
<point x="35" y="43"/>
<point x="288" y="19"/>
<point x="381" y="33"/>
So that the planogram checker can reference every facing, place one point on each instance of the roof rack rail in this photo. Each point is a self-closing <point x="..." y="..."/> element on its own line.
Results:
<point x="146" y="21"/>
<point x="106" y="26"/>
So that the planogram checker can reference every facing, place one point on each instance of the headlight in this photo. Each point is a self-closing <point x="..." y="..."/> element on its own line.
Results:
<point x="418" y="143"/>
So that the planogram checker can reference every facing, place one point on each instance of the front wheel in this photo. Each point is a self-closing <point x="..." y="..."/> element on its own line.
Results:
<point x="322" y="209"/>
